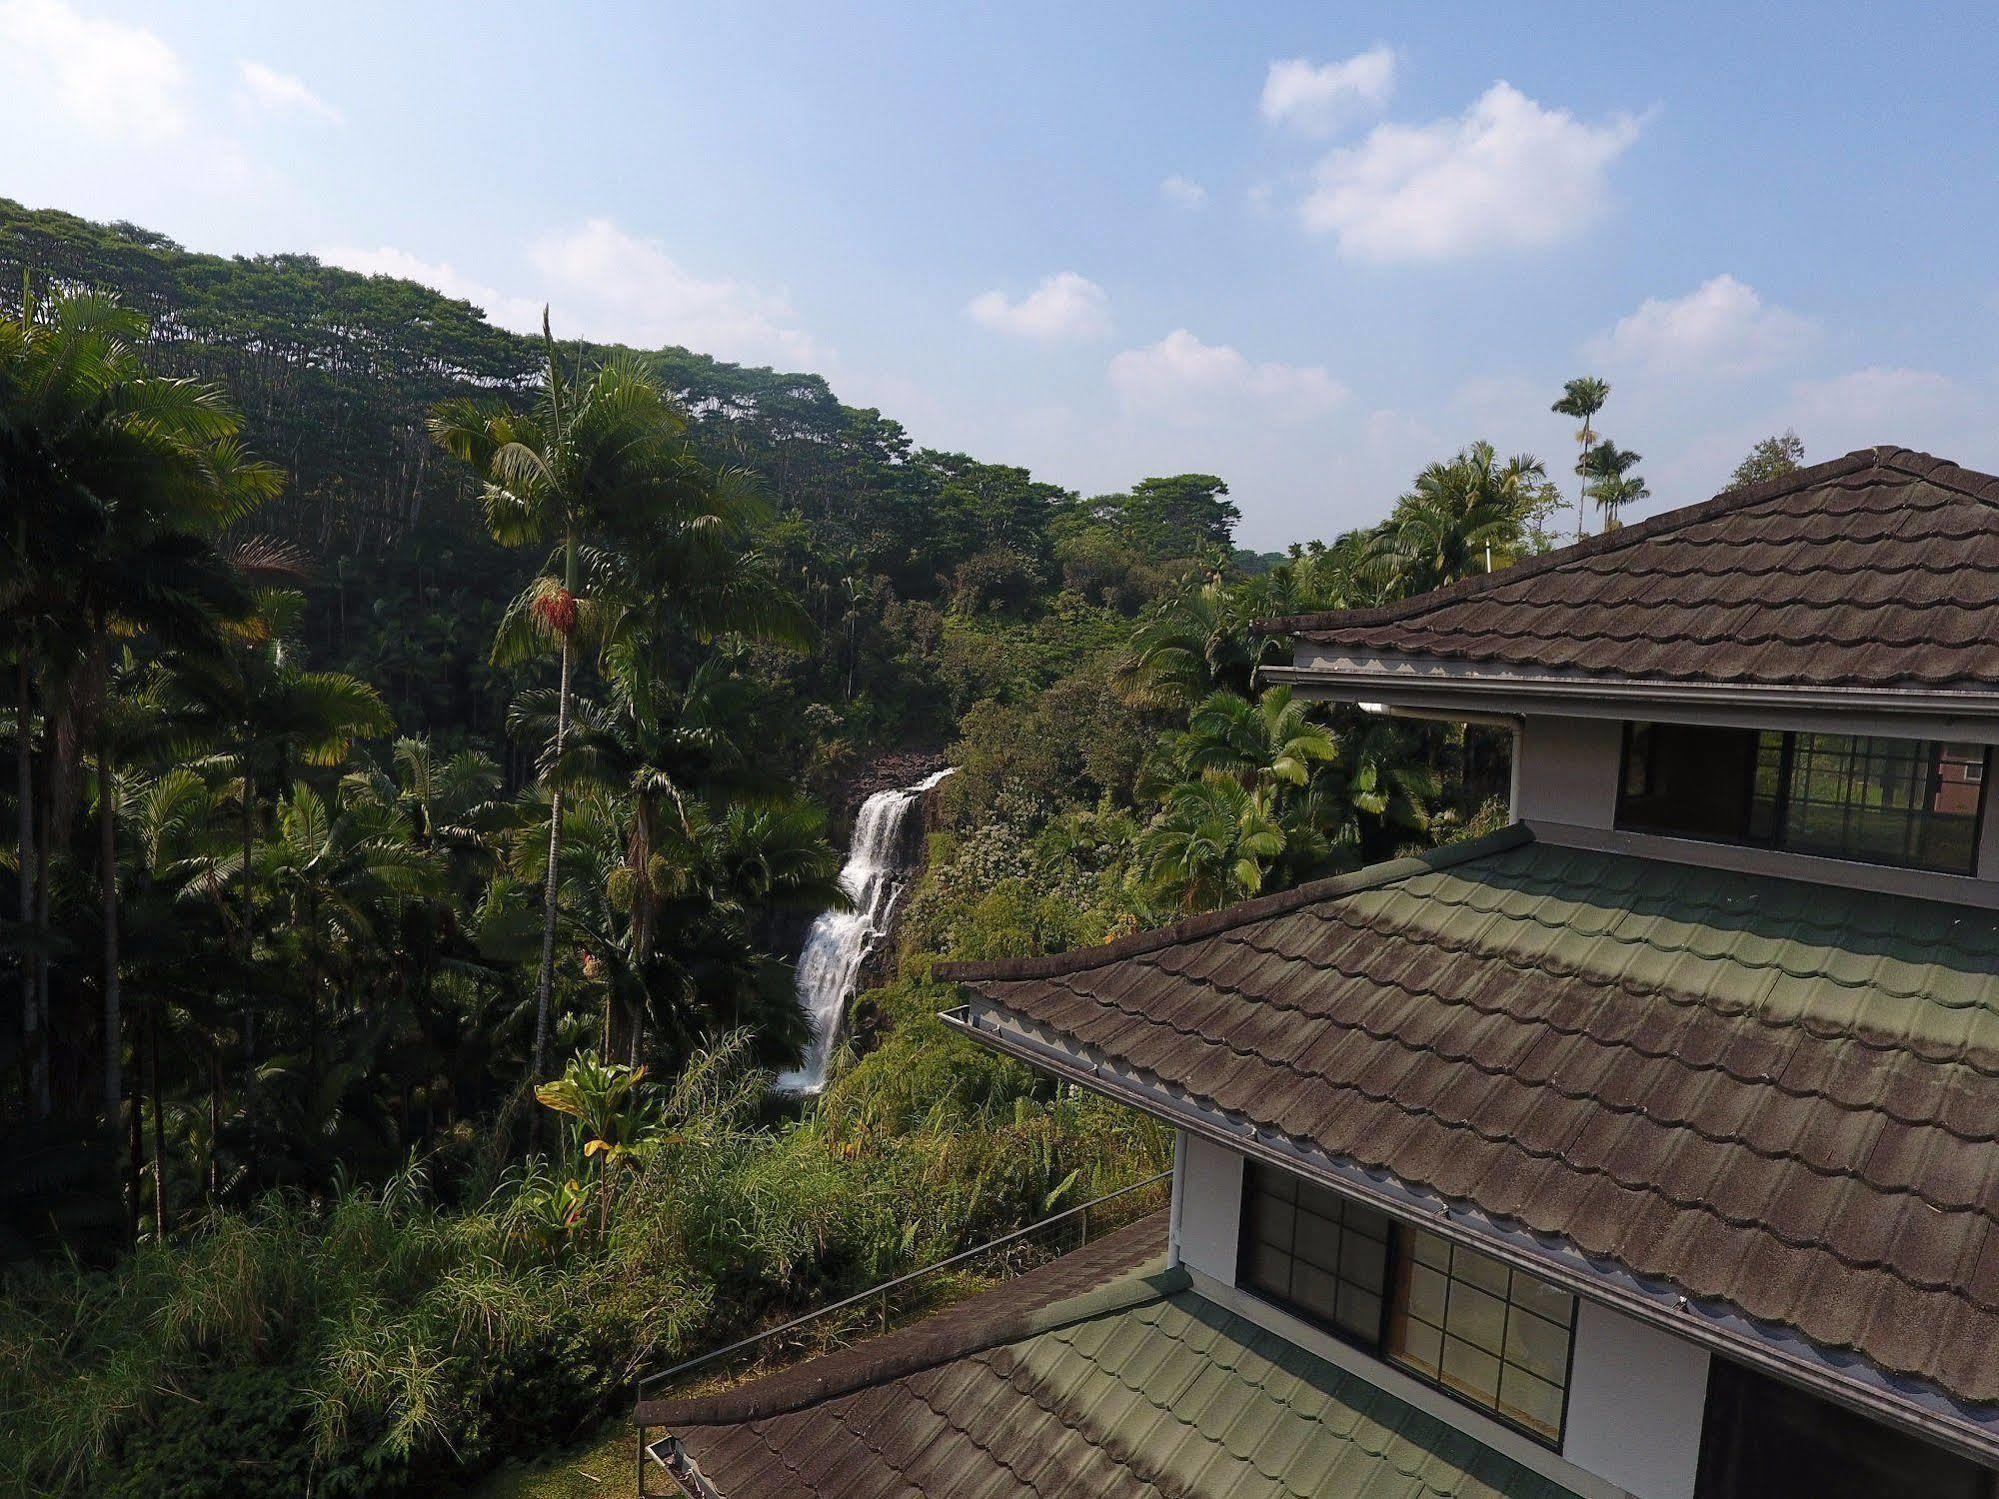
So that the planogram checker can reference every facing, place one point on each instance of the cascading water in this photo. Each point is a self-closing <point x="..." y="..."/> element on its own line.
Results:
<point x="830" y="964"/>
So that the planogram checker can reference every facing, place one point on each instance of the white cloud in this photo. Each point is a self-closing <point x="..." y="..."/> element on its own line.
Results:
<point x="1064" y="305"/>
<point x="1317" y="98"/>
<point x="1884" y="404"/>
<point x="1722" y="327"/>
<point x="522" y="314"/>
<point x="610" y="286"/>
<point x="1508" y="174"/>
<point x="109" y="77"/>
<point x="284" y="92"/>
<point x="1184" y="377"/>
<point x="1183" y="192"/>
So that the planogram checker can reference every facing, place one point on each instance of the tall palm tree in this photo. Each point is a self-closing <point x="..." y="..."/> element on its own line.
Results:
<point x="591" y="450"/>
<point x="1612" y="484"/>
<point x="653" y="546"/>
<point x="1582" y="398"/>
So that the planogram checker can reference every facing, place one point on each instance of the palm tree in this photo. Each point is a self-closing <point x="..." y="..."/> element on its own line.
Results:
<point x="132" y="478"/>
<point x="1198" y="640"/>
<point x="1270" y="742"/>
<point x="1463" y="517"/>
<point x="589" y="451"/>
<point x="1213" y="843"/>
<point x="1612" y="484"/>
<point x="1582" y="398"/>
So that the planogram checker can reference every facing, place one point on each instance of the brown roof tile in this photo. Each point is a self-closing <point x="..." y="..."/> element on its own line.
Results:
<point x="1775" y="1095"/>
<point x="1879" y="569"/>
<point x="1078" y="1381"/>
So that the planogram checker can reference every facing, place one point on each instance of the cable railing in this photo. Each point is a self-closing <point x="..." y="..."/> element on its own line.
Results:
<point x="887" y="1289"/>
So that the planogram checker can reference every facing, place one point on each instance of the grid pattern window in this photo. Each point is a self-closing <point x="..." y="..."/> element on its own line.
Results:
<point x="1491" y="1335"/>
<point x="1494" y="1337"/>
<point x="1885" y="801"/>
<point x="1910" y="802"/>
<point x="1313" y="1250"/>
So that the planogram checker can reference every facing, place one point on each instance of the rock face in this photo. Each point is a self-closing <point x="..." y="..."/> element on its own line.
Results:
<point x="883" y="773"/>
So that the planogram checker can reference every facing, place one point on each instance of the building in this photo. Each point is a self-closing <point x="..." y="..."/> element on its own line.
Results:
<point x="1645" y="1147"/>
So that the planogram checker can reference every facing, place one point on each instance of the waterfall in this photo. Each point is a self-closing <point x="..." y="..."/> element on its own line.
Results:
<point x="840" y="941"/>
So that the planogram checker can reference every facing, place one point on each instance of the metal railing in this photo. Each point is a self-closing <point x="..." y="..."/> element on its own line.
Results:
<point x="1081" y="1210"/>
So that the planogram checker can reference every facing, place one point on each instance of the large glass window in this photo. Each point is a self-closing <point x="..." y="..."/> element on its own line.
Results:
<point x="1912" y="802"/>
<point x="1765" y="1440"/>
<point x="1493" y="1336"/>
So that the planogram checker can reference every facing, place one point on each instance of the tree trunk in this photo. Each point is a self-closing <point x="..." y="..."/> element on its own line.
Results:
<point x="135" y="1155"/>
<point x="249" y="920"/>
<point x="214" y="1123"/>
<point x="107" y="878"/>
<point x="44" y="1054"/>
<point x="546" y="983"/>
<point x="33" y="1021"/>
<point x="159" y="1127"/>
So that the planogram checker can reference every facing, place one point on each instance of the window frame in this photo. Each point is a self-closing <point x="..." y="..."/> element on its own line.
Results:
<point x="1778" y="837"/>
<point x="1400" y="1238"/>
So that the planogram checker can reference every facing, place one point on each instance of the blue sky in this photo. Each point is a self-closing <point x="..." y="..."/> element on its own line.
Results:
<point x="1306" y="247"/>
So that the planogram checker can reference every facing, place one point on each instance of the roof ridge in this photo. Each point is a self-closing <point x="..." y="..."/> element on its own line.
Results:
<point x="1372" y="876"/>
<point x="1942" y="472"/>
<point x="1726" y="502"/>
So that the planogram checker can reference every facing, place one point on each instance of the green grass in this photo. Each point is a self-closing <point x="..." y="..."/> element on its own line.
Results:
<point x="599" y="1465"/>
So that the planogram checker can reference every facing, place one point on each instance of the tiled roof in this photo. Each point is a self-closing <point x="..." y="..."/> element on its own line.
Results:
<point x="1879" y="569"/>
<point x="1135" y="1389"/>
<point x="1772" y="1095"/>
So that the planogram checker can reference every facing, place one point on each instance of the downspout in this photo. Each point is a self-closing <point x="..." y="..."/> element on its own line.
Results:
<point x="1511" y="722"/>
<point x="1179" y="1199"/>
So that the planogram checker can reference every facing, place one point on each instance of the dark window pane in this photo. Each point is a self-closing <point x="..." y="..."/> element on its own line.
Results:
<point x="1913" y="802"/>
<point x="1695" y="783"/>
<point x="1325" y="1257"/>
<point x="1765" y="1440"/>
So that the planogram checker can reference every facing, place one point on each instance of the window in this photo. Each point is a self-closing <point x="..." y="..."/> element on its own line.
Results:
<point x="1765" y="1440"/>
<point x="1313" y="1250"/>
<point x="1911" y="802"/>
<point x="1463" y="1321"/>
<point x="1488" y="1333"/>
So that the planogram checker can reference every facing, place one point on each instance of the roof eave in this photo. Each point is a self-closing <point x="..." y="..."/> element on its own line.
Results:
<point x="1433" y="684"/>
<point x="1839" y="1375"/>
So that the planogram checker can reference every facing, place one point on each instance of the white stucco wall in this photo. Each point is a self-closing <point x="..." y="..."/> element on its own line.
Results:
<point x="1568" y="771"/>
<point x="1635" y="1400"/>
<point x="1210" y="1208"/>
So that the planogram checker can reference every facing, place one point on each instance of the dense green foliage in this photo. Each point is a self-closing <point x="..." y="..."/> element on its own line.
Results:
<point x="494" y="750"/>
<point x="1771" y="458"/>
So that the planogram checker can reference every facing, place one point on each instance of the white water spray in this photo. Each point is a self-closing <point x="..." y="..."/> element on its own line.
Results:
<point x="840" y="941"/>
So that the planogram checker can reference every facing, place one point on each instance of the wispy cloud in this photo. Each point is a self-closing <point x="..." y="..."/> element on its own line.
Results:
<point x="1183" y="192"/>
<point x="1507" y="174"/>
<point x="1722" y="327"/>
<point x="284" y="92"/>
<point x="611" y="286"/>
<point x="1182" y="376"/>
<point x="107" y="77"/>
<point x="1065" y="305"/>
<point x="1318" y="98"/>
